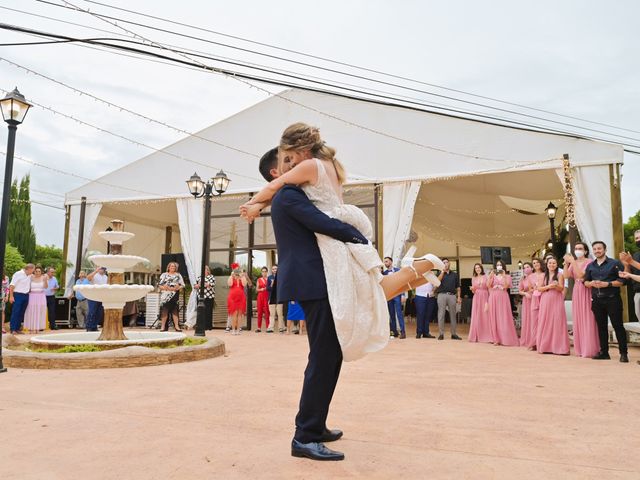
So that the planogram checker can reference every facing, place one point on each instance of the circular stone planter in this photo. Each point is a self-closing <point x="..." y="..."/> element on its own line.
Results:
<point x="144" y="339"/>
<point x="126" y="357"/>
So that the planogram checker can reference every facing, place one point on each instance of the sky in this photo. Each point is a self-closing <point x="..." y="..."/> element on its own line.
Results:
<point x="576" y="58"/>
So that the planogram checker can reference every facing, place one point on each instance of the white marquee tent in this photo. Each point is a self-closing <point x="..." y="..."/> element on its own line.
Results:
<point x="456" y="183"/>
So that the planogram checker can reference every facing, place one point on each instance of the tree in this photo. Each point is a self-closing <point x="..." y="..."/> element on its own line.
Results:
<point x="49" y="256"/>
<point x="20" y="231"/>
<point x="631" y="226"/>
<point x="13" y="260"/>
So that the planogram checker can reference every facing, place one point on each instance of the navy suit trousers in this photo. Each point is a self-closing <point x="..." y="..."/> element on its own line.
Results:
<point x="322" y="372"/>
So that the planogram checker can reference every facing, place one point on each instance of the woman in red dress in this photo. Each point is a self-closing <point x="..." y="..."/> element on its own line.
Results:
<point x="237" y="300"/>
<point x="263" y="300"/>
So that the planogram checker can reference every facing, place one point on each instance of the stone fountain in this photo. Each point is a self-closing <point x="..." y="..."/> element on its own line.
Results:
<point x="115" y="294"/>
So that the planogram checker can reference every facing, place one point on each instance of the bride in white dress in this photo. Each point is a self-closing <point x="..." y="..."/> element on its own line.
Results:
<point x="357" y="290"/>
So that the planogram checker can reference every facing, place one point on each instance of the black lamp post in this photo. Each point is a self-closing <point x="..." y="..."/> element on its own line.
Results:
<point x="14" y="108"/>
<point x="551" y="214"/>
<point x="198" y="188"/>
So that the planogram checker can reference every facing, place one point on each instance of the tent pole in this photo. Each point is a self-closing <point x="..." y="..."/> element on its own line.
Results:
<point x="616" y="220"/>
<point x="83" y="209"/>
<point x="65" y="246"/>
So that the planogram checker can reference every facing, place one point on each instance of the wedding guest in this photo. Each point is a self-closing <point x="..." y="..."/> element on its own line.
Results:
<point x="35" y="316"/>
<point x="294" y="314"/>
<point x="525" y="292"/>
<point x="95" y="313"/>
<point x="503" y="329"/>
<point x="5" y="299"/>
<point x="170" y="284"/>
<point x="82" y="306"/>
<point x="209" y="295"/>
<point x="632" y="265"/>
<point x="426" y="306"/>
<point x="237" y="300"/>
<point x="448" y="298"/>
<point x="603" y="277"/>
<point x="480" y="329"/>
<point x="19" y="296"/>
<point x="50" y="293"/>
<point x="552" y="335"/>
<point x="536" y="279"/>
<point x="275" y="308"/>
<point x="262" y="300"/>
<point x="395" y="304"/>
<point x="585" y="329"/>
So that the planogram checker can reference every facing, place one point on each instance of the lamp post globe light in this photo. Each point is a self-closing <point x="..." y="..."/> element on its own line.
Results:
<point x="198" y="188"/>
<point x="551" y="215"/>
<point x="14" y="108"/>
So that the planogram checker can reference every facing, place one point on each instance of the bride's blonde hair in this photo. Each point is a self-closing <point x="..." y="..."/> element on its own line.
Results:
<point x="301" y="136"/>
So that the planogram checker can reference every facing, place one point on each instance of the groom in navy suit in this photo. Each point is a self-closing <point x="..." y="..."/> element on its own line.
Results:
<point x="301" y="277"/>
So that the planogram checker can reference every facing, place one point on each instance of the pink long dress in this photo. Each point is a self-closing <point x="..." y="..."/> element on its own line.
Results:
<point x="527" y="333"/>
<point x="480" y="330"/>
<point x="35" y="316"/>
<point x="552" y="335"/>
<point x="536" y="280"/>
<point x="586" y="342"/>
<point x="503" y="329"/>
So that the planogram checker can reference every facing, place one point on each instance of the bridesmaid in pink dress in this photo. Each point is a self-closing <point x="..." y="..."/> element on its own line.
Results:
<point x="586" y="342"/>
<point x="480" y="330"/>
<point x="526" y="332"/>
<point x="552" y="335"/>
<point x="503" y="329"/>
<point x="536" y="280"/>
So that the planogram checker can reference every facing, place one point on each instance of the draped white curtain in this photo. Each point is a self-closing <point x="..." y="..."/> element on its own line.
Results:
<point x="90" y="217"/>
<point x="399" y="201"/>
<point x="592" y="193"/>
<point x="190" y="216"/>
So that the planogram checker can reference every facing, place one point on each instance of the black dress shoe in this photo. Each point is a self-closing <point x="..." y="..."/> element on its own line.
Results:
<point x="314" y="451"/>
<point x="418" y="335"/>
<point x="455" y="337"/>
<point x="395" y="334"/>
<point x="403" y="335"/>
<point x="330" y="435"/>
<point x="602" y="356"/>
<point x="428" y="335"/>
<point x="440" y="337"/>
<point x="624" y="358"/>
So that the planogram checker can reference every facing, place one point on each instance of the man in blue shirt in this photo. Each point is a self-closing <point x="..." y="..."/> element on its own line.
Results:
<point x="602" y="276"/>
<point x="50" y="292"/>
<point x="395" y="304"/>
<point x="82" y="306"/>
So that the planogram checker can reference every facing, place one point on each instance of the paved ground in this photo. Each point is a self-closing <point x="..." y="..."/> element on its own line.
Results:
<point x="419" y="409"/>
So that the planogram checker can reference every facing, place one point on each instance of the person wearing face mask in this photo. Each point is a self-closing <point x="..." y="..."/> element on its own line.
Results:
<point x="585" y="329"/>
<point x="502" y="327"/>
<point x="480" y="329"/>
<point x="526" y="330"/>
<point x="632" y="266"/>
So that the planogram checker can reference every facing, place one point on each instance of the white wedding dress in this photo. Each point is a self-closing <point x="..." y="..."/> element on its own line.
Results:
<point x="357" y="300"/>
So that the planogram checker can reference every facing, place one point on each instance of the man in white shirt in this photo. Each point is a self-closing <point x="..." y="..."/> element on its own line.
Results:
<point x="19" y="295"/>
<point x="426" y="308"/>
<point x="50" y="292"/>
<point x="96" y="312"/>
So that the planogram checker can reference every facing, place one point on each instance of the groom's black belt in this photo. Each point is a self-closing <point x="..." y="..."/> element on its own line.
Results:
<point x="448" y="293"/>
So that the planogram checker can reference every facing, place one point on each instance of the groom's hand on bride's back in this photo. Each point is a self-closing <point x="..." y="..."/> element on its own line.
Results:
<point x="298" y="206"/>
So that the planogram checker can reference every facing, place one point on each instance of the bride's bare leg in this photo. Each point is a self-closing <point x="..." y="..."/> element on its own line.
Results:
<point x="394" y="285"/>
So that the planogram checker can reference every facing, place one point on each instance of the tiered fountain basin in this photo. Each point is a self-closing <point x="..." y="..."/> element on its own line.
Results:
<point x="144" y="339"/>
<point x="117" y="263"/>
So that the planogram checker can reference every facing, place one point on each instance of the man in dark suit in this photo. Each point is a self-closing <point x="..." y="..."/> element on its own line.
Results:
<point x="301" y="278"/>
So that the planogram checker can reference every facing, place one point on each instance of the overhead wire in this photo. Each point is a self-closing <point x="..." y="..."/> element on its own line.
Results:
<point x="315" y="66"/>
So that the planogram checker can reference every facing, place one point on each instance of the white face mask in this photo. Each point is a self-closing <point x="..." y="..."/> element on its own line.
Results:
<point x="579" y="253"/>
<point x="499" y="268"/>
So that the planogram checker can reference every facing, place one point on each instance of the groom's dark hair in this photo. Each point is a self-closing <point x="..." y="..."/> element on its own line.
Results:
<point x="268" y="162"/>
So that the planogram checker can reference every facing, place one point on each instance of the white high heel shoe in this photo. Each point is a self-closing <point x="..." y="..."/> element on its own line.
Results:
<point x="407" y="261"/>
<point x="432" y="279"/>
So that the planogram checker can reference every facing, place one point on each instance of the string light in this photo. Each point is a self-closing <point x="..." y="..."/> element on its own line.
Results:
<point x="134" y="142"/>
<point x="251" y="85"/>
<point x="492" y="236"/>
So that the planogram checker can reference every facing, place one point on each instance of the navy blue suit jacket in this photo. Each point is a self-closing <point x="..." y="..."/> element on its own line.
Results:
<point x="295" y="221"/>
